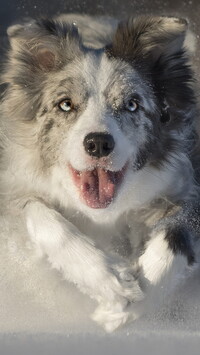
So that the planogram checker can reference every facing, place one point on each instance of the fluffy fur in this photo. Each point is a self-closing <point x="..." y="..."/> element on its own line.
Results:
<point x="75" y="76"/>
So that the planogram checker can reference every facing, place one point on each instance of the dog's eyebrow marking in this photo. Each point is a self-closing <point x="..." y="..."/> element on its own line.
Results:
<point x="63" y="94"/>
<point x="72" y="81"/>
<point x="69" y="79"/>
<point x="68" y="88"/>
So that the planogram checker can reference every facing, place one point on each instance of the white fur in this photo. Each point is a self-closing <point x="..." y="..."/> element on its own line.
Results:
<point x="157" y="259"/>
<point x="105" y="279"/>
<point x="161" y="267"/>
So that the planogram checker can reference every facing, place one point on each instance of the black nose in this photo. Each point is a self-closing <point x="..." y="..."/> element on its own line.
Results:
<point x="99" y="144"/>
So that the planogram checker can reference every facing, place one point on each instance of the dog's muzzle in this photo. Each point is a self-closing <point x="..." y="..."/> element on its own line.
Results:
<point x="97" y="185"/>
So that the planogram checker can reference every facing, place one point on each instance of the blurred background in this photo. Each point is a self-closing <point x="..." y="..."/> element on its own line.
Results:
<point x="13" y="11"/>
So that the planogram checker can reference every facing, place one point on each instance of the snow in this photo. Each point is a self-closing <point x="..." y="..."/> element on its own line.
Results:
<point x="40" y="313"/>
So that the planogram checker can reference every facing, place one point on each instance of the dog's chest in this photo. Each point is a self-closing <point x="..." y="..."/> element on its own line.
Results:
<point x="125" y="237"/>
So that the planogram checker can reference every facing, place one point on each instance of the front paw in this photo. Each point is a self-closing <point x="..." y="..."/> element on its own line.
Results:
<point x="127" y="284"/>
<point x="110" y="318"/>
<point x="113" y="315"/>
<point x="122" y="289"/>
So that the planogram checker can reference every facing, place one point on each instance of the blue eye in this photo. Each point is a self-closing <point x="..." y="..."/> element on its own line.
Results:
<point x="66" y="105"/>
<point x="132" y="105"/>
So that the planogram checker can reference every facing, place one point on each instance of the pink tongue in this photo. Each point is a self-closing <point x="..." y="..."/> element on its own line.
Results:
<point x="97" y="187"/>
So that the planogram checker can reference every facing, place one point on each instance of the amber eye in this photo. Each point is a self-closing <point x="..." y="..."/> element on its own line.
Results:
<point x="132" y="105"/>
<point x="66" y="105"/>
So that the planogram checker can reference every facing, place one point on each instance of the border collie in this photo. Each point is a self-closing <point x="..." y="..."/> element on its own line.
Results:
<point x="99" y="141"/>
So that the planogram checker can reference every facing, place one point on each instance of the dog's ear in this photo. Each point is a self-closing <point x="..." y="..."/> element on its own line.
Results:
<point x="159" y="48"/>
<point x="148" y="38"/>
<point x="45" y="44"/>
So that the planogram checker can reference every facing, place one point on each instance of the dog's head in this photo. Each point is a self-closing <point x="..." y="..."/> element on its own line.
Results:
<point x="102" y="124"/>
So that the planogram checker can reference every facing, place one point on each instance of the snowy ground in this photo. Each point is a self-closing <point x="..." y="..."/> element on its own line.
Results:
<point x="40" y="313"/>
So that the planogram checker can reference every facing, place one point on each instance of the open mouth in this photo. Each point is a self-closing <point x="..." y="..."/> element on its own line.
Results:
<point x="97" y="187"/>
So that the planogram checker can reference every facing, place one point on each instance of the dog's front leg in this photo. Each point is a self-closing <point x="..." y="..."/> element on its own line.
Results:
<point x="168" y="259"/>
<point x="68" y="250"/>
